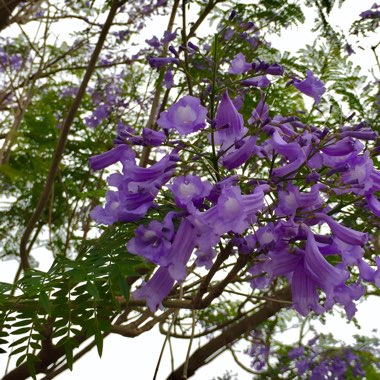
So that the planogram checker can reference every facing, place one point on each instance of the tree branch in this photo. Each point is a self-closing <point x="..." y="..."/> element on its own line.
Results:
<point x="231" y="334"/>
<point x="6" y="9"/>
<point x="63" y="137"/>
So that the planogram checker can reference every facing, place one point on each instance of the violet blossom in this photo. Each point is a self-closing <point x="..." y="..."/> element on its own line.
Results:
<point x="229" y="124"/>
<point x="239" y="65"/>
<point x="310" y="86"/>
<point x="189" y="191"/>
<point x="156" y="289"/>
<point x="186" y="116"/>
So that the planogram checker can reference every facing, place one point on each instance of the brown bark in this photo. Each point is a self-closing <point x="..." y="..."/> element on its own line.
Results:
<point x="231" y="334"/>
<point x="6" y="9"/>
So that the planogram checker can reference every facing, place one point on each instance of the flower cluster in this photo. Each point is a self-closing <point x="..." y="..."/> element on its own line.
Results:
<point x="322" y="364"/>
<point x="274" y="196"/>
<point x="321" y="357"/>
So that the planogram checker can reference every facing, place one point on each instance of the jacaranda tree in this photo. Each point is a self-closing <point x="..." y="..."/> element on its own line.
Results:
<point x="208" y="184"/>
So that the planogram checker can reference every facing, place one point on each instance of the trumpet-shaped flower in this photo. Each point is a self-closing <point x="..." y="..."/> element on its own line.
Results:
<point x="239" y="65"/>
<point x="156" y="289"/>
<point x="185" y="116"/>
<point x="229" y="125"/>
<point x="311" y="86"/>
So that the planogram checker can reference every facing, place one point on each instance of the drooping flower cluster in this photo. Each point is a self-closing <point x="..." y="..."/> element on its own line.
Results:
<point x="321" y="357"/>
<point x="314" y="362"/>
<point x="274" y="196"/>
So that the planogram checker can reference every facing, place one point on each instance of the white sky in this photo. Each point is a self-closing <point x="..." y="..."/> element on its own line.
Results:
<point x="124" y="358"/>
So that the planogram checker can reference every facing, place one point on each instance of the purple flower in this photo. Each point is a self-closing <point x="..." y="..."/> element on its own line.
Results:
<point x="206" y="238"/>
<point x="275" y="69"/>
<point x="228" y="34"/>
<point x="153" y="241"/>
<point x="304" y="292"/>
<point x="181" y="249"/>
<point x="189" y="190"/>
<point x="345" y="295"/>
<point x="150" y="137"/>
<point x="291" y="150"/>
<point x="373" y="204"/>
<point x="351" y="254"/>
<point x="370" y="14"/>
<point x="228" y="214"/>
<point x="260" y="113"/>
<point x="287" y="169"/>
<point x="232" y="15"/>
<point x="362" y="135"/>
<point x="238" y="101"/>
<point x="219" y="186"/>
<point x="241" y="155"/>
<point x="253" y="41"/>
<point x="325" y="274"/>
<point x="229" y="124"/>
<point x="205" y="257"/>
<point x="292" y="199"/>
<point x="137" y="189"/>
<point x="192" y="46"/>
<point x="349" y="49"/>
<point x="186" y="116"/>
<point x="154" y="42"/>
<point x="239" y="65"/>
<point x="168" y="36"/>
<point x="100" y="113"/>
<point x="281" y="262"/>
<point x="136" y="178"/>
<point x="341" y="147"/>
<point x="156" y="289"/>
<point x="343" y="233"/>
<point x="359" y="171"/>
<point x="168" y="79"/>
<point x="123" y="207"/>
<point x="311" y="86"/>
<point x="259" y="81"/>
<point x="296" y="352"/>
<point x="158" y="62"/>
<point x="266" y="236"/>
<point x="103" y="160"/>
<point x="367" y="273"/>
<point x="302" y="366"/>
<point x="234" y="211"/>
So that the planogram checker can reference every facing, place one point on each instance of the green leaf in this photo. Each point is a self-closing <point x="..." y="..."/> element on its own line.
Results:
<point x="21" y="331"/>
<point x="19" y="341"/>
<point x="69" y="354"/>
<point x="18" y="350"/>
<point x="20" y="360"/>
<point x="23" y="322"/>
<point x="124" y="287"/>
<point x="93" y="290"/>
<point x="44" y="299"/>
<point x="30" y="364"/>
<point x="10" y="172"/>
<point x="99" y="340"/>
<point x="60" y="332"/>
<point x="35" y="345"/>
